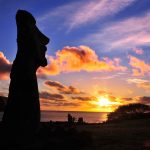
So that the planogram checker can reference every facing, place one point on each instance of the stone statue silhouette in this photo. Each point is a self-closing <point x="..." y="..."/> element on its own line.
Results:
<point x="22" y="111"/>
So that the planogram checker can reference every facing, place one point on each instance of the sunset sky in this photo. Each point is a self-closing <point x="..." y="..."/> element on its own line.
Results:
<point x="99" y="53"/>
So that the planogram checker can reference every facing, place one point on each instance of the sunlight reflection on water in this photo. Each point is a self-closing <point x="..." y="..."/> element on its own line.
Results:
<point x="90" y="117"/>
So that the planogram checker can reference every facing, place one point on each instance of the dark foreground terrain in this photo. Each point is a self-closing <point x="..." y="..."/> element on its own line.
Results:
<point x="127" y="135"/>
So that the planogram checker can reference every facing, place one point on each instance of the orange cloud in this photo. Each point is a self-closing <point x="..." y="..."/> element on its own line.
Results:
<point x="144" y="85"/>
<point x="140" y="68"/>
<point x="71" y="59"/>
<point x="5" y="67"/>
<point x="136" y="72"/>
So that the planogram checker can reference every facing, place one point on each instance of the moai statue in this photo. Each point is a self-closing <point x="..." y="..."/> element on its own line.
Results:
<point x="22" y="112"/>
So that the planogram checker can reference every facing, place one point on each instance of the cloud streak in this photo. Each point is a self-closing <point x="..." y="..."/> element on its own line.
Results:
<point x="84" y="98"/>
<point x="62" y="88"/>
<point x="140" y="83"/>
<point x="53" y="104"/>
<point x="50" y="96"/>
<point x="97" y="10"/>
<point x="74" y="13"/>
<point x="131" y="32"/>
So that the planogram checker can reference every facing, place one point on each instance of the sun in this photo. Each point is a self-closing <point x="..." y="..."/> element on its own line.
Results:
<point x="103" y="101"/>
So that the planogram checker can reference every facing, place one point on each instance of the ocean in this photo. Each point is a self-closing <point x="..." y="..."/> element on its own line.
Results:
<point x="90" y="117"/>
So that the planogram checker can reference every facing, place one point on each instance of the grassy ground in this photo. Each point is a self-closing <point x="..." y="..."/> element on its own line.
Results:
<point x="127" y="135"/>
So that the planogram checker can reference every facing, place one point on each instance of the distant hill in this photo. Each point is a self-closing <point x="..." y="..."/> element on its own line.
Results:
<point x="2" y="102"/>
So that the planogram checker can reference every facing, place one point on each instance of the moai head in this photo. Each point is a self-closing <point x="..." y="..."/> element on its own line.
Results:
<point x="31" y="40"/>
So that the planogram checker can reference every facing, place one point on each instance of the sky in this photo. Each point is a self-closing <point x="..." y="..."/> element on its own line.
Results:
<point x="99" y="52"/>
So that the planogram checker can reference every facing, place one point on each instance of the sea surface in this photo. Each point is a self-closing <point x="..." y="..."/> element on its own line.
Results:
<point x="90" y="117"/>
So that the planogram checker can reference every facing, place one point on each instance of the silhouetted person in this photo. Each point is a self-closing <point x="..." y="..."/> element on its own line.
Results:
<point x="80" y="120"/>
<point x="22" y="112"/>
<point x="71" y="119"/>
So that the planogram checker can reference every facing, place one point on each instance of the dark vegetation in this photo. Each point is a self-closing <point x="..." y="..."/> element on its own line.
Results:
<point x="129" y="112"/>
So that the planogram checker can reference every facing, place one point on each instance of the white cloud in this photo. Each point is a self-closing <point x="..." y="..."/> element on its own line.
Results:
<point x="140" y="83"/>
<point x="60" y="11"/>
<point x="137" y="81"/>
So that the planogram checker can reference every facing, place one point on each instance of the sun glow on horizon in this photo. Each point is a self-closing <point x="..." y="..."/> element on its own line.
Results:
<point x="103" y="101"/>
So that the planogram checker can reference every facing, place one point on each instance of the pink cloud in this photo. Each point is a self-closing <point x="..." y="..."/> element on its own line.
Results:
<point x="138" y="51"/>
<point x="73" y="13"/>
